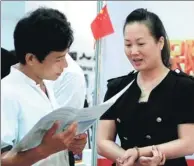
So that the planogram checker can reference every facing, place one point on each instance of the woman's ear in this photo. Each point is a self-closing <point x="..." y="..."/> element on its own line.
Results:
<point x="161" y="42"/>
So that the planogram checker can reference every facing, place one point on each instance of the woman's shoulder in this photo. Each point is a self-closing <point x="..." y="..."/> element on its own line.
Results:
<point x="115" y="85"/>
<point x="184" y="81"/>
<point x="121" y="81"/>
<point x="183" y="78"/>
<point x="183" y="97"/>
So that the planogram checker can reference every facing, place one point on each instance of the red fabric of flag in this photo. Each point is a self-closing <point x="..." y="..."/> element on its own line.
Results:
<point x="102" y="26"/>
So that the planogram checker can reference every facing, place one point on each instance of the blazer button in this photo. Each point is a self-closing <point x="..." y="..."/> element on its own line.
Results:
<point x="118" y="120"/>
<point x="125" y="138"/>
<point x="159" y="119"/>
<point x="177" y="71"/>
<point x="148" y="137"/>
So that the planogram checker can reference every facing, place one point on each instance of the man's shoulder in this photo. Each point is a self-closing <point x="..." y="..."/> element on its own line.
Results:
<point x="7" y="83"/>
<point x="9" y="87"/>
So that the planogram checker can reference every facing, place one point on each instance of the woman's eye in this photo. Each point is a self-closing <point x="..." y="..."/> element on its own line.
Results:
<point x="141" y="44"/>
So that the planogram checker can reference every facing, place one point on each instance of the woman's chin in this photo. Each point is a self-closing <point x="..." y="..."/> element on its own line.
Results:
<point x="139" y="68"/>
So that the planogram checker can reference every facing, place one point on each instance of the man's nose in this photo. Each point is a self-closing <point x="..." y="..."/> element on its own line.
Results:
<point x="63" y="64"/>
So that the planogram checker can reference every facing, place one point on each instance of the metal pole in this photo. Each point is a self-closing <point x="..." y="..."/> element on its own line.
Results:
<point x="96" y="90"/>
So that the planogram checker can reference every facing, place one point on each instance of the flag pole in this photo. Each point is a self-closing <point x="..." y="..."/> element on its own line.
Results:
<point x="96" y="90"/>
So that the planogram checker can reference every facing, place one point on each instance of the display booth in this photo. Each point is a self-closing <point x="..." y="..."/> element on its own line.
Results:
<point x="110" y="60"/>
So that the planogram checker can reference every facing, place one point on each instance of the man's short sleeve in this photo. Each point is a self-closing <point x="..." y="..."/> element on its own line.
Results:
<point x="9" y="119"/>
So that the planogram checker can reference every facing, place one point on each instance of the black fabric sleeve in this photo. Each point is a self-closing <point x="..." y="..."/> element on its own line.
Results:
<point x="110" y="113"/>
<point x="185" y="103"/>
<point x="113" y="87"/>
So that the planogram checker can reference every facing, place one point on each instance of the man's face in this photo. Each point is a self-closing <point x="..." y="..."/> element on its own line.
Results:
<point x="52" y="66"/>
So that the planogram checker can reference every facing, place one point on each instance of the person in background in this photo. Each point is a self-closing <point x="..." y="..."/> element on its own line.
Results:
<point x="70" y="89"/>
<point x="41" y="39"/>
<point x="157" y="109"/>
<point x="7" y="60"/>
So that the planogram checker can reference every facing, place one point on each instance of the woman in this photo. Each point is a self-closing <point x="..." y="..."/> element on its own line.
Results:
<point x="158" y="107"/>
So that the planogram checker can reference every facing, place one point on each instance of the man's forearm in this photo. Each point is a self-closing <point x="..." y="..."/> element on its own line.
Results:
<point x="26" y="158"/>
<point x="110" y="150"/>
<point x="173" y="149"/>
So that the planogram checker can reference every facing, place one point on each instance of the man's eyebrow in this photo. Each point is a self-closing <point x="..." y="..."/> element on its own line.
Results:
<point x="60" y="56"/>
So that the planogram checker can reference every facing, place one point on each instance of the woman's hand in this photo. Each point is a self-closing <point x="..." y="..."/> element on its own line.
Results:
<point x="129" y="158"/>
<point x="157" y="159"/>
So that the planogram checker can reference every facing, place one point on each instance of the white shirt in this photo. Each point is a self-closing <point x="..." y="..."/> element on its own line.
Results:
<point x="70" y="87"/>
<point x="23" y="104"/>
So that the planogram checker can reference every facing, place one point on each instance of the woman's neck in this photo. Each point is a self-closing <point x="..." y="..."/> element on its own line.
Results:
<point x="150" y="75"/>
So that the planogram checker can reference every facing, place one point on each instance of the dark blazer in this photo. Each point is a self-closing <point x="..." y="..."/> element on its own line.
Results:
<point x="153" y="122"/>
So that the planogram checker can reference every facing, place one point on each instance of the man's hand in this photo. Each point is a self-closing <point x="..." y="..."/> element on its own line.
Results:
<point x="53" y="143"/>
<point x="78" y="143"/>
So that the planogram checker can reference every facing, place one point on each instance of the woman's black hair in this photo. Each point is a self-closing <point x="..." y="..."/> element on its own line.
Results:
<point x="156" y="28"/>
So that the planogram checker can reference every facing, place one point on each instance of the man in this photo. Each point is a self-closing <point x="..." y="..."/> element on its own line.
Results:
<point x="42" y="40"/>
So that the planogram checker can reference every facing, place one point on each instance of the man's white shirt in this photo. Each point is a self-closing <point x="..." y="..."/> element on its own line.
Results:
<point x="23" y="103"/>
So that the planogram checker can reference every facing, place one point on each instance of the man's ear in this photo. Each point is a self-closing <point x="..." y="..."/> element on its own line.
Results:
<point x="30" y="59"/>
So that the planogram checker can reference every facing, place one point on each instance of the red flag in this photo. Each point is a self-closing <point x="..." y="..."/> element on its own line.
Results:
<point x="102" y="26"/>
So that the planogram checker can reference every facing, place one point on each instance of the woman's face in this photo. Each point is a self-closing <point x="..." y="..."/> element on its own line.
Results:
<point x="142" y="50"/>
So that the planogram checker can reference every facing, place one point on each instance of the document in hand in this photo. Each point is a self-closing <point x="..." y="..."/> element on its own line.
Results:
<point x="85" y="118"/>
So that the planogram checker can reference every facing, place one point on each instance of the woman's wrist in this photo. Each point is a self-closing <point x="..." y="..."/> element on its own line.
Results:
<point x="145" y="151"/>
<point x="138" y="152"/>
